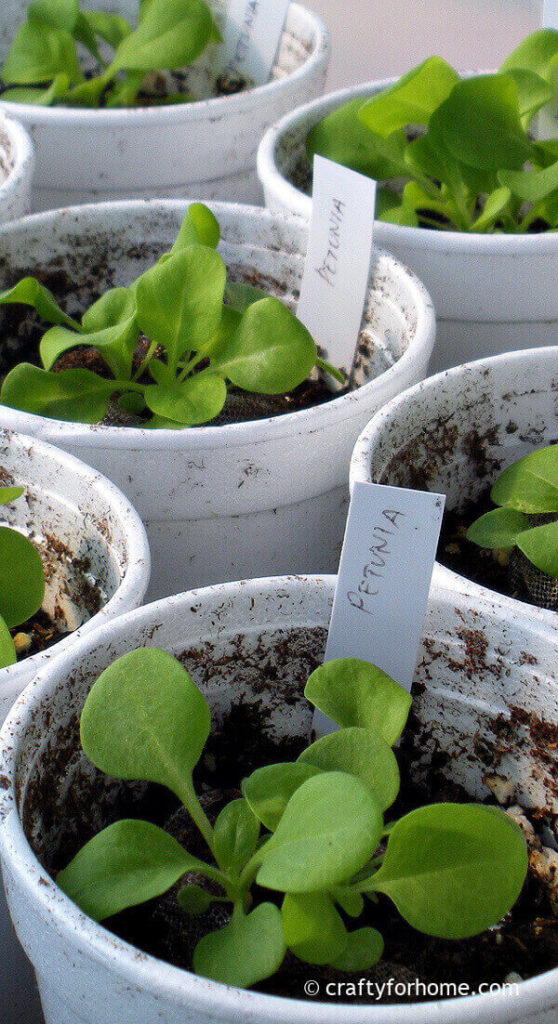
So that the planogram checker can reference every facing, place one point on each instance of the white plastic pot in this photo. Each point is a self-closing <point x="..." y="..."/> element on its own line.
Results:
<point x="248" y="499"/>
<point x="17" y="162"/>
<point x="250" y="646"/>
<point x="492" y="293"/>
<point x="206" y="148"/>
<point x="456" y="432"/>
<point x="74" y="515"/>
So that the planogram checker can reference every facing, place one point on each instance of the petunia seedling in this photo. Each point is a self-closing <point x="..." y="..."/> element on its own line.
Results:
<point x="201" y="333"/>
<point x="526" y="519"/>
<point x="299" y="854"/>
<point x="22" y="583"/>
<point x="456" y="154"/>
<point x="42" y="66"/>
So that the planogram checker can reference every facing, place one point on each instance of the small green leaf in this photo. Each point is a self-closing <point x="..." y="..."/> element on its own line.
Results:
<point x="40" y="97"/>
<point x="344" y="139"/>
<point x="195" y="400"/>
<point x="194" y="900"/>
<point x="498" y="528"/>
<point x="171" y="34"/>
<point x="269" y="789"/>
<point x="236" y="834"/>
<point x="239" y="296"/>
<point x="110" y="27"/>
<point x="364" y="948"/>
<point x="494" y="207"/>
<point x="205" y="224"/>
<point x="73" y="395"/>
<point x="481" y="126"/>
<point x="537" y="53"/>
<point x="354" y="692"/>
<point x="54" y="13"/>
<point x="22" y="581"/>
<point x="329" y="830"/>
<point x="312" y="927"/>
<point x="28" y="292"/>
<point x="532" y="92"/>
<point x="108" y="326"/>
<point x="453" y="870"/>
<point x="270" y="352"/>
<point x="159" y="721"/>
<point x="8" y="494"/>
<point x="349" y="901"/>
<point x="127" y="863"/>
<point x="540" y="546"/>
<point x="362" y="753"/>
<point x="8" y="654"/>
<point x="530" y="484"/>
<point x="412" y="100"/>
<point x="247" y="950"/>
<point x="39" y="54"/>
<point x="531" y="186"/>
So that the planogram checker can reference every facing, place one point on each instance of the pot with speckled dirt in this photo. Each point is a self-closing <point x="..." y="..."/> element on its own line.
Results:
<point x="454" y="434"/>
<point x="485" y="711"/>
<point x="246" y="498"/>
<point x="492" y="293"/>
<point x="205" y="148"/>
<point x="17" y="162"/>
<point x="96" y="563"/>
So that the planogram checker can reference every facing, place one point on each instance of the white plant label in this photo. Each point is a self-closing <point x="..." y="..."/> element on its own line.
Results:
<point x="383" y="582"/>
<point x="251" y="37"/>
<point x="550" y="14"/>
<point x="337" y="264"/>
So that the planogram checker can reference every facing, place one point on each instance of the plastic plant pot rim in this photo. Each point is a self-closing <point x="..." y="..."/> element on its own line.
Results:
<point x="134" y="582"/>
<point x="234" y="434"/>
<point x="299" y="204"/>
<point x="23" y="157"/>
<point x="159" y="978"/>
<point x="178" y="114"/>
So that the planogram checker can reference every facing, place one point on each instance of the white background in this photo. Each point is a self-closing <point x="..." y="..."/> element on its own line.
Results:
<point x="378" y="38"/>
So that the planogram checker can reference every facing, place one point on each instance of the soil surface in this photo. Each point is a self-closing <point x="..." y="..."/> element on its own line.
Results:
<point x="37" y="634"/>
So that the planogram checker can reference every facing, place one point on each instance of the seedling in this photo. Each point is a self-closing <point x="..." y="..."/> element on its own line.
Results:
<point x="22" y="583"/>
<point x="42" y="66"/>
<point x="462" y="152"/>
<point x="525" y="492"/>
<point x="310" y="834"/>
<point x="203" y="334"/>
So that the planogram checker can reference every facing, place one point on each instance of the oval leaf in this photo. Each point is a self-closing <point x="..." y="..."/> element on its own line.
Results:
<point x="364" y="948"/>
<point x="362" y="753"/>
<point x="312" y="927"/>
<point x="7" y="650"/>
<point x="498" y="528"/>
<point x="196" y="400"/>
<point x="171" y="34"/>
<point x="540" y="546"/>
<point x="78" y="396"/>
<point x="235" y="836"/>
<point x="351" y="691"/>
<point x="8" y="494"/>
<point x="530" y="484"/>
<point x="22" y="581"/>
<point x="245" y="951"/>
<point x="38" y="54"/>
<point x="269" y="789"/>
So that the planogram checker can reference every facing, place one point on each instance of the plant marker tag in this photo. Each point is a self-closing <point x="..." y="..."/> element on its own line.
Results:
<point x="550" y="14"/>
<point x="383" y="581"/>
<point x="251" y="37"/>
<point x="337" y="264"/>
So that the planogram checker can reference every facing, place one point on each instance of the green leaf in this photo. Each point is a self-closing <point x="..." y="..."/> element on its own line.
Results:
<point x="412" y="100"/>
<point x="480" y="123"/>
<point x="453" y="870"/>
<point x="269" y="789"/>
<point x="54" y="13"/>
<point x="205" y="224"/>
<point x="194" y="900"/>
<point x="247" y="950"/>
<point x="498" y="528"/>
<point x="354" y="692"/>
<point x="342" y="138"/>
<point x="8" y="654"/>
<point x="350" y="901"/>
<point x="179" y="302"/>
<point x="159" y="721"/>
<point x="537" y="53"/>
<point x="362" y="753"/>
<point x="78" y="396"/>
<point x="364" y="948"/>
<point x="496" y="204"/>
<point x="40" y="97"/>
<point x="171" y="34"/>
<point x="39" y="54"/>
<point x="530" y="484"/>
<point x="28" y="292"/>
<point x="312" y="927"/>
<point x="110" y="27"/>
<point x="108" y="326"/>
<point x="22" y="581"/>
<point x="540" y="546"/>
<point x="127" y="863"/>
<point x="531" y="185"/>
<point x="236" y="834"/>
<point x="270" y="352"/>
<point x="532" y="92"/>
<point x="239" y="296"/>
<point x="195" y="400"/>
<point x="330" y="829"/>
<point x="8" y="494"/>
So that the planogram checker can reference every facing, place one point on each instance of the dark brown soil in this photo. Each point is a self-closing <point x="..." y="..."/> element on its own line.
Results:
<point x="40" y="633"/>
<point x="488" y="568"/>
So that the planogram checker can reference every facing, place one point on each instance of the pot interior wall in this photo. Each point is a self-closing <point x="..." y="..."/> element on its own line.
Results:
<point x="78" y="258"/>
<point x="297" y="41"/>
<point x="457" y="435"/>
<point x="6" y="155"/>
<point x="485" y="705"/>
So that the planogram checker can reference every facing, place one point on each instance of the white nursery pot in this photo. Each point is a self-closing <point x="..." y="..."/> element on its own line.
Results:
<point x="72" y="513"/>
<point x="492" y="293"/>
<point x="456" y="432"/>
<point x="17" y="162"/>
<point x="250" y="647"/>
<point x="205" y="148"/>
<point x="248" y="499"/>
